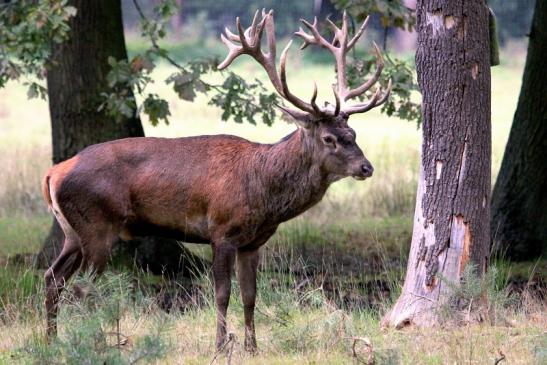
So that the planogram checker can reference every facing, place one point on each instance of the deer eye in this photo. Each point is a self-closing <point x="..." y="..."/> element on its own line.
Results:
<point x="329" y="140"/>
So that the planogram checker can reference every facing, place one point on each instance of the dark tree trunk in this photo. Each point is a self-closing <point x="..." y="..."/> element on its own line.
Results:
<point x="76" y="78"/>
<point x="452" y="216"/>
<point x="519" y="200"/>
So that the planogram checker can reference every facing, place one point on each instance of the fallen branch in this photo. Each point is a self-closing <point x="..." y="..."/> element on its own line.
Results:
<point x="500" y="359"/>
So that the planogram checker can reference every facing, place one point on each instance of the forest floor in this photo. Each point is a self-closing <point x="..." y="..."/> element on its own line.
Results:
<point x="326" y="278"/>
<point x="318" y="303"/>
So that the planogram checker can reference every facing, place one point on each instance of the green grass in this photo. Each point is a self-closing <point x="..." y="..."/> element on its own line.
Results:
<point x="21" y="289"/>
<point x="296" y="324"/>
<point x="22" y="234"/>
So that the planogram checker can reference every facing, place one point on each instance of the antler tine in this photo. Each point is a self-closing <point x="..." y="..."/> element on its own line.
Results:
<point x="358" y="34"/>
<point x="340" y="57"/>
<point x="361" y="108"/>
<point x="314" y="98"/>
<point x="386" y="93"/>
<point x="337" y="98"/>
<point x="231" y="36"/>
<point x="335" y="29"/>
<point x="295" y="113"/>
<point x="344" y="32"/>
<point x="257" y="39"/>
<point x="286" y="92"/>
<point x="368" y="84"/>
<point x="374" y="102"/>
<point x="308" y="39"/>
<point x="340" y="34"/>
<point x="256" y="30"/>
<point x="242" y="37"/>
<point x="234" y="51"/>
<point x="251" y="31"/>
<point x="270" y="33"/>
<point x="317" y="38"/>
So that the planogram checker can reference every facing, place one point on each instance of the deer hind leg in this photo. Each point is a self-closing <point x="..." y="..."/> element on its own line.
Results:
<point x="97" y="242"/>
<point x="59" y="273"/>
<point x="247" y="264"/>
<point x="223" y="263"/>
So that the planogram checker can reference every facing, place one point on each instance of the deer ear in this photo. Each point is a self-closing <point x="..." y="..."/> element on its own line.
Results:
<point x="302" y="119"/>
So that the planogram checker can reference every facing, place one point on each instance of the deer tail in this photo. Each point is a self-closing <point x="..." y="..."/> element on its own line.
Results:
<point x="45" y="188"/>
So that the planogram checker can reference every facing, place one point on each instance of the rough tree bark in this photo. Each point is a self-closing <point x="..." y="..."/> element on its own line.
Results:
<point x="519" y="200"/>
<point x="452" y="215"/>
<point x="75" y="80"/>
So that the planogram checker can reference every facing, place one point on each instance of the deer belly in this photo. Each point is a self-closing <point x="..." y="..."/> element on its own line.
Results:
<point x="192" y="231"/>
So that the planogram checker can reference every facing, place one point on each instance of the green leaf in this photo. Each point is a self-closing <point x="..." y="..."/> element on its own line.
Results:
<point x="393" y="13"/>
<point x="183" y="85"/>
<point x="32" y="92"/>
<point x="36" y="90"/>
<point x="157" y="109"/>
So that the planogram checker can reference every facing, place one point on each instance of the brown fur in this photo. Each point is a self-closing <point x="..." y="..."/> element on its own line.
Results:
<point x="222" y="190"/>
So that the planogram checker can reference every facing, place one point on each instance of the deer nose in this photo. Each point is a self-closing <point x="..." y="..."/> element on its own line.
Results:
<point x="367" y="169"/>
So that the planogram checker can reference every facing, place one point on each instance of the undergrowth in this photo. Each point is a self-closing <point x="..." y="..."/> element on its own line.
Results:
<point x="92" y="332"/>
<point x="478" y="297"/>
<point x="306" y="313"/>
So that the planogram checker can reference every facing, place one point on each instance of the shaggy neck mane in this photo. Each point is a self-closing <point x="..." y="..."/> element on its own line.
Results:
<point x="290" y="175"/>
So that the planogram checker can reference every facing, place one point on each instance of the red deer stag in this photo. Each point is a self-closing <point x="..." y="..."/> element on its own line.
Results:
<point x="222" y="190"/>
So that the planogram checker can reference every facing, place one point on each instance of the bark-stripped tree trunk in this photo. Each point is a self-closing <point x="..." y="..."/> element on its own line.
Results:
<point x="75" y="81"/>
<point x="452" y="215"/>
<point x="519" y="200"/>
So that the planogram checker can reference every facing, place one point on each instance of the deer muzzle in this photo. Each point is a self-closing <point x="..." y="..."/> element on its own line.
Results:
<point x="365" y="171"/>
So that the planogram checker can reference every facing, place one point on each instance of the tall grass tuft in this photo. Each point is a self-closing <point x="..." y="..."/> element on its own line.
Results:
<point x="21" y="293"/>
<point x="23" y="168"/>
<point x="478" y="298"/>
<point x="91" y="327"/>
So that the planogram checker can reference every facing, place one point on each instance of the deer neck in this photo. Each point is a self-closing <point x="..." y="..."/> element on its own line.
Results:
<point x="292" y="176"/>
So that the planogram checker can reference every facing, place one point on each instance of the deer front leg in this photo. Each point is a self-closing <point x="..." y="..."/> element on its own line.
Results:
<point x="223" y="264"/>
<point x="247" y="264"/>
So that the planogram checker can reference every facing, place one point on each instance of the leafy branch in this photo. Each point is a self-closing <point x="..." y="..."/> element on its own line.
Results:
<point x="400" y="104"/>
<point x="238" y="98"/>
<point x="393" y="13"/>
<point x="27" y="29"/>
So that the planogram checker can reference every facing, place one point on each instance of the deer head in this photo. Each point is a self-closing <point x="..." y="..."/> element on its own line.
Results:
<point x="325" y="127"/>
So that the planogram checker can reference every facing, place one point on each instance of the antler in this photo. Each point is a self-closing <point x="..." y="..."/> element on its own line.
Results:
<point x="339" y="47"/>
<point x="249" y="42"/>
